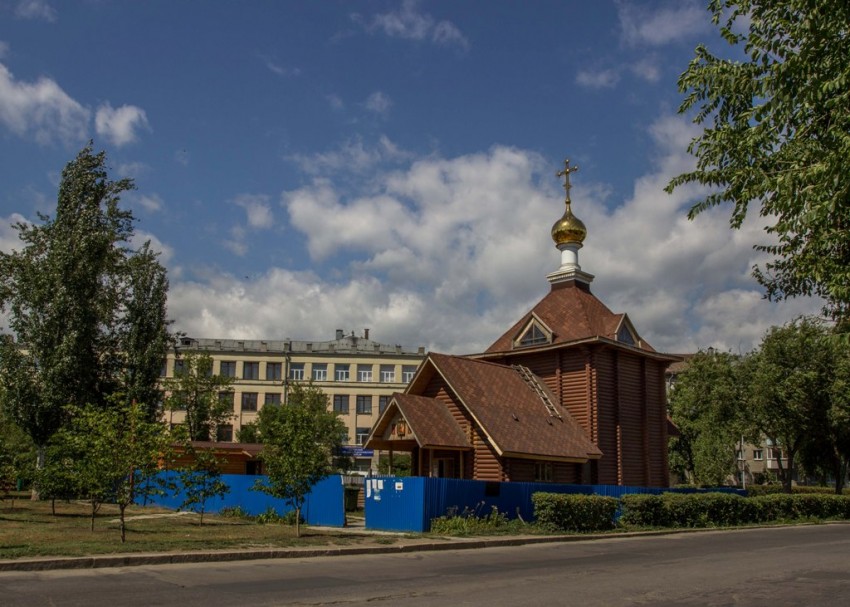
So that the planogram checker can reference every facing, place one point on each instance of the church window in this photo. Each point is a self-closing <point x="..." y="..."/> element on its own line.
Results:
<point x="533" y="336"/>
<point x="625" y="336"/>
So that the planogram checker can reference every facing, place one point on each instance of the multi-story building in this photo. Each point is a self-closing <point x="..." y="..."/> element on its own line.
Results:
<point x="357" y="374"/>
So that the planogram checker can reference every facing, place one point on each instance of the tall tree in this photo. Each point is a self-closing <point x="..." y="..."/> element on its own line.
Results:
<point x="707" y="405"/>
<point x="73" y="293"/>
<point x="777" y="134"/>
<point x="790" y="390"/>
<point x="300" y="439"/>
<point x="195" y="390"/>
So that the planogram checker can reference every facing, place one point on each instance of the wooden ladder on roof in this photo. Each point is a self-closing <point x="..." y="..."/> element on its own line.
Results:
<point x="531" y="379"/>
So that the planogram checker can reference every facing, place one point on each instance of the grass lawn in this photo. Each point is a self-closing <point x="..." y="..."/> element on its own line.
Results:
<point x="28" y="529"/>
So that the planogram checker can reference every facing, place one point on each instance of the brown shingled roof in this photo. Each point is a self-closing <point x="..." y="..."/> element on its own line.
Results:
<point x="432" y="424"/>
<point x="510" y="413"/>
<point x="573" y="313"/>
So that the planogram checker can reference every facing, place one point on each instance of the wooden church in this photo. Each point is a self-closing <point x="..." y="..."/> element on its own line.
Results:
<point x="570" y="393"/>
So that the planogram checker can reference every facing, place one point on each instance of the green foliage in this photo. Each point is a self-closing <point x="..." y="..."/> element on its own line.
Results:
<point x="574" y="512"/>
<point x="105" y="450"/>
<point x="249" y="433"/>
<point x="87" y="312"/>
<point x="269" y="517"/>
<point x="401" y="464"/>
<point x="707" y="404"/>
<point x="234" y="512"/>
<point x="757" y="490"/>
<point x="472" y="522"/>
<point x="201" y="481"/>
<point x="777" y="134"/>
<point x="17" y="455"/>
<point x="790" y="390"/>
<point x="195" y="391"/>
<point x="722" y="509"/>
<point x="300" y="439"/>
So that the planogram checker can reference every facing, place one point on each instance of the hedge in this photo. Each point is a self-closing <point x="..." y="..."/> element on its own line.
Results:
<point x="575" y="512"/>
<point x="756" y="490"/>
<point x="723" y="509"/>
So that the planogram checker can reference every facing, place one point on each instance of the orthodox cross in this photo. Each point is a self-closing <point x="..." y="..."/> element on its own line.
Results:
<point x="566" y="175"/>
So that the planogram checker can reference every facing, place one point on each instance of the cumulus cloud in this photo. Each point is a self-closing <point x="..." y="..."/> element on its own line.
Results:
<point x="599" y="79"/>
<point x="258" y="209"/>
<point x="449" y="252"/>
<point x="409" y="23"/>
<point x="120" y="125"/>
<point x="151" y="202"/>
<point x="40" y="109"/>
<point x="658" y="25"/>
<point x="35" y="9"/>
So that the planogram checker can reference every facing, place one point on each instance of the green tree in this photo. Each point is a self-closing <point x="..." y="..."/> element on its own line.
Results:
<point x="300" y="439"/>
<point x="195" y="390"/>
<point x="110" y="449"/>
<point x="249" y="433"/>
<point x="74" y="296"/>
<point x="790" y="389"/>
<point x="17" y="455"/>
<point x="707" y="404"/>
<point x="777" y="134"/>
<point x="201" y="480"/>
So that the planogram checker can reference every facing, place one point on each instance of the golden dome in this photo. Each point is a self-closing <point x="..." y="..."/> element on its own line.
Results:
<point x="568" y="228"/>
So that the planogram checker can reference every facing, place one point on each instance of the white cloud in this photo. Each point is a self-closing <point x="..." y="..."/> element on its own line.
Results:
<point x="258" y="209"/>
<point x="4" y="49"/>
<point x="378" y="102"/>
<point x="449" y="252"/>
<point x="120" y="125"/>
<point x="41" y="110"/>
<point x="9" y="240"/>
<point x="236" y="243"/>
<point x="166" y="253"/>
<point x="35" y="9"/>
<point x="410" y="24"/>
<point x="598" y="79"/>
<point x="658" y="25"/>
<point x="352" y="156"/>
<point x="151" y="202"/>
<point x="647" y="69"/>
<point x="281" y="70"/>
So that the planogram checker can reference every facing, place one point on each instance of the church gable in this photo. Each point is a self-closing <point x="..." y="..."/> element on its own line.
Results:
<point x="533" y="333"/>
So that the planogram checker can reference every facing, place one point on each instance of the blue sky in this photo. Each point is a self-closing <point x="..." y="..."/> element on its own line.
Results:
<point x="307" y="166"/>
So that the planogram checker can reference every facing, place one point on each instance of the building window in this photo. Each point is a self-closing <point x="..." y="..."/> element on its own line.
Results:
<point x="273" y="371"/>
<point x="320" y="372"/>
<point x="227" y="399"/>
<point x="533" y="337"/>
<point x="272" y="398"/>
<point x="296" y="371"/>
<point x="543" y="472"/>
<point x="387" y="374"/>
<point x="224" y="433"/>
<point x="364" y="372"/>
<point x="774" y="453"/>
<point x="163" y="370"/>
<point x="383" y="403"/>
<point x="758" y="454"/>
<point x="407" y="372"/>
<point x="228" y="368"/>
<point x="250" y="370"/>
<point x="179" y="367"/>
<point x="341" y="403"/>
<point x="362" y="435"/>
<point x="342" y="372"/>
<point x="364" y="403"/>
<point x="249" y="401"/>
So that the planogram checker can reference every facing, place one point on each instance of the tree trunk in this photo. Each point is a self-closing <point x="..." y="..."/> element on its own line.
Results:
<point x="121" y="508"/>
<point x="298" y="521"/>
<point x="39" y="466"/>
<point x="840" y="473"/>
<point x="93" y="512"/>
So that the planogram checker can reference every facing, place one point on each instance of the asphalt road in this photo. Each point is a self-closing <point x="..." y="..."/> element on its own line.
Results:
<point x="784" y="566"/>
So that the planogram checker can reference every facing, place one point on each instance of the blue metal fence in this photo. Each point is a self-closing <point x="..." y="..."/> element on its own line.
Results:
<point x="323" y="506"/>
<point x="409" y="503"/>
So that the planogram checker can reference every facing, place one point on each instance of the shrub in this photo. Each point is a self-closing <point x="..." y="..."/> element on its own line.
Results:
<point x="269" y="517"/>
<point x="574" y="512"/>
<point x="470" y="522"/>
<point x="642" y="510"/>
<point x="234" y="512"/>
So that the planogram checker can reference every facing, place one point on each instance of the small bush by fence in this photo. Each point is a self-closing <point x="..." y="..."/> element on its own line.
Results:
<point x="575" y="512"/>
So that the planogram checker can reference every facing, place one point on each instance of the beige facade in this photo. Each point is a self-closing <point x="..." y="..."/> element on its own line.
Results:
<point x="357" y="374"/>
